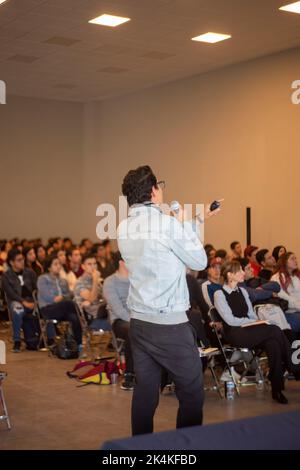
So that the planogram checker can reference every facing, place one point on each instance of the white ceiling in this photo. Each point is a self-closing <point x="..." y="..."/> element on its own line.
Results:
<point x="49" y="50"/>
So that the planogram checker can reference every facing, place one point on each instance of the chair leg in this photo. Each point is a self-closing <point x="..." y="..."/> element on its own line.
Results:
<point x="43" y="335"/>
<point x="217" y="383"/>
<point x="5" y="417"/>
<point x="228" y="366"/>
<point x="87" y="335"/>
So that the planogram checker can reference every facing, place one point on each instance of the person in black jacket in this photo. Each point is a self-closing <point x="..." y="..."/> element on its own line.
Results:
<point x="18" y="284"/>
<point x="194" y="314"/>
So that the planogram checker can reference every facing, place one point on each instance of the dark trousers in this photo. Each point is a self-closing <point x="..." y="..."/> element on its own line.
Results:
<point x="64" y="311"/>
<point x="121" y="330"/>
<point x="174" y="348"/>
<point x="272" y="340"/>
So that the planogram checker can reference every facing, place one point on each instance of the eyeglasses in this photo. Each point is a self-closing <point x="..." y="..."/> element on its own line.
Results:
<point x="161" y="184"/>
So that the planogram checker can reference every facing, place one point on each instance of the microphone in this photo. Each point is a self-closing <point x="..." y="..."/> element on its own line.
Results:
<point x="175" y="207"/>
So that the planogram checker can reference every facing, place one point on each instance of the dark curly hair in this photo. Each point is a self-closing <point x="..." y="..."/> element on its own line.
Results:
<point x="137" y="185"/>
<point x="48" y="262"/>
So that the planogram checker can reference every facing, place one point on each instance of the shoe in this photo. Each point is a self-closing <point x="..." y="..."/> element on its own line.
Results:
<point x="278" y="396"/>
<point x="128" y="383"/>
<point x="226" y="376"/>
<point x="17" y="347"/>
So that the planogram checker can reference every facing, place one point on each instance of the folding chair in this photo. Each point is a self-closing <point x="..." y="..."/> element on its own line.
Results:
<point x="118" y="344"/>
<point x="210" y="354"/>
<point x="43" y="325"/>
<point x="89" y="334"/>
<point x="227" y="352"/>
<point x="5" y="416"/>
<point x="11" y="330"/>
<point x="36" y="312"/>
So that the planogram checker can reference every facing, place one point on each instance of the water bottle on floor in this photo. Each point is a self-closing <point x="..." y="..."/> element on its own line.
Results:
<point x="230" y="390"/>
<point x="259" y="381"/>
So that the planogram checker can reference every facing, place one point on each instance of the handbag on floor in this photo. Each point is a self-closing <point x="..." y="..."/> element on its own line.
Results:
<point x="88" y="372"/>
<point x="66" y="347"/>
<point x="32" y="331"/>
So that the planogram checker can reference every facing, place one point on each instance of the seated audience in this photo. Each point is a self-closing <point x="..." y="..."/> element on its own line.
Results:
<point x="88" y="294"/>
<point x="208" y="289"/>
<point x="265" y="295"/>
<point x="267" y="262"/>
<point x="110" y="254"/>
<point x="31" y="262"/>
<point x="54" y="298"/>
<point x="67" y="244"/>
<point x="242" y="329"/>
<point x="250" y="254"/>
<point x="18" y="283"/>
<point x="213" y="282"/>
<point x="106" y="265"/>
<point x="288" y="277"/>
<point x="278" y="251"/>
<point x="85" y="246"/>
<point x="49" y="250"/>
<point x="210" y="251"/>
<point x="258" y="289"/>
<point x="115" y="289"/>
<point x="236" y="251"/>
<point x="194" y="314"/>
<point x="56" y="243"/>
<point x="40" y="254"/>
<point x="4" y="249"/>
<point x="221" y="255"/>
<point x="62" y="257"/>
<point x="73" y="268"/>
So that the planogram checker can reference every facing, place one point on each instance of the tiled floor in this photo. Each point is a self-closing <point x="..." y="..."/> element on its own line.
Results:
<point x="48" y="411"/>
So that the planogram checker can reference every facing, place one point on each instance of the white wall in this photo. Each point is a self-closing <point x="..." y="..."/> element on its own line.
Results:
<point x="231" y="133"/>
<point x="41" y="152"/>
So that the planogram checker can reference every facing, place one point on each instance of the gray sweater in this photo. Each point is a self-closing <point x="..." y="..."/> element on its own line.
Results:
<point x="115" y="291"/>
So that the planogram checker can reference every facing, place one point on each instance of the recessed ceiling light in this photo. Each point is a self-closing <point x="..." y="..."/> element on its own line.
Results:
<point x="212" y="38"/>
<point x="292" y="7"/>
<point x="109" y="20"/>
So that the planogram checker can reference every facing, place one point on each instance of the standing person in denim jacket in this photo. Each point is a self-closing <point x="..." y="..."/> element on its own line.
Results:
<point x="157" y="249"/>
<point x="54" y="298"/>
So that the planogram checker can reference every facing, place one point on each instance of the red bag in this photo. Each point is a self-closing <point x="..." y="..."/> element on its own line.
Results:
<point x="96" y="373"/>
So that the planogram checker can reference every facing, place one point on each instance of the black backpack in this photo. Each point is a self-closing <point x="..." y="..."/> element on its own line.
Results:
<point x="66" y="347"/>
<point x="32" y="331"/>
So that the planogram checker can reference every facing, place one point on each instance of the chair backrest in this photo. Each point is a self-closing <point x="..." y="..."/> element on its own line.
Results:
<point x="9" y="314"/>
<point x="214" y="315"/>
<point x="7" y="305"/>
<point x="36" y="309"/>
<point x="81" y="315"/>
<point x="215" y="320"/>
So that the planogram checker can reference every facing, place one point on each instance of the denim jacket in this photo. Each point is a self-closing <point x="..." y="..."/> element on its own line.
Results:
<point x="157" y="249"/>
<point x="50" y="287"/>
